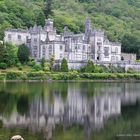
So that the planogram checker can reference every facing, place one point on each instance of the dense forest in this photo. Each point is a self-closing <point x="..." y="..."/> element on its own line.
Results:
<point x="119" y="18"/>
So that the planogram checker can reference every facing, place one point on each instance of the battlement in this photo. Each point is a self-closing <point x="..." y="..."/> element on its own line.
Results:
<point x="19" y="30"/>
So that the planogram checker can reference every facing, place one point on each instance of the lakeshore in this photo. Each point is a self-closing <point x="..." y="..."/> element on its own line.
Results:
<point x="68" y="76"/>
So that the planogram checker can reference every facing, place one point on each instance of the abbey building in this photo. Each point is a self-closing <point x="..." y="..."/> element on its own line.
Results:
<point x="76" y="48"/>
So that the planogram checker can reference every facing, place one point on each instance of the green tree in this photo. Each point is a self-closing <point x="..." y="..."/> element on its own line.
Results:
<point x="64" y="65"/>
<point x="11" y="54"/>
<point x="43" y="61"/>
<point x="3" y="53"/>
<point x="40" y="19"/>
<point x="23" y="53"/>
<point x="52" y="61"/>
<point x="131" y="43"/>
<point x="48" y="8"/>
<point x="90" y="66"/>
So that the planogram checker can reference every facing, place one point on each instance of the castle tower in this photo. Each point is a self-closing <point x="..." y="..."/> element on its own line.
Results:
<point x="48" y="25"/>
<point x="87" y="28"/>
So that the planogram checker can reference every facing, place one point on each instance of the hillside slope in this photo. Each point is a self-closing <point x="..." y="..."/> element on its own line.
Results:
<point x="119" y="18"/>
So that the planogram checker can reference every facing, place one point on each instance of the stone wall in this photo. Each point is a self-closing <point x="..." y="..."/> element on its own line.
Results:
<point x="128" y="56"/>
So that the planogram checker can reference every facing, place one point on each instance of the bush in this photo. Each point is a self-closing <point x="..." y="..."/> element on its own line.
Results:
<point x="13" y="75"/>
<point x="20" y="68"/>
<point x="3" y="66"/>
<point x="64" y="65"/>
<point x="130" y="70"/>
<point x="31" y="63"/>
<point x="24" y="76"/>
<point x="36" y="76"/>
<point x="97" y="76"/>
<point x="18" y="65"/>
<point x="2" y="76"/>
<point x="37" y="67"/>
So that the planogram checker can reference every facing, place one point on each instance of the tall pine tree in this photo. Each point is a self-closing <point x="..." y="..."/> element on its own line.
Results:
<point x="48" y="8"/>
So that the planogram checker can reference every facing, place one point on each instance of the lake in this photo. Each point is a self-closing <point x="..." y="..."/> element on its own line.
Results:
<point x="70" y="111"/>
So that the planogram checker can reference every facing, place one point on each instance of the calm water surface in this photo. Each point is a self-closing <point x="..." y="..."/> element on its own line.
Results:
<point x="70" y="111"/>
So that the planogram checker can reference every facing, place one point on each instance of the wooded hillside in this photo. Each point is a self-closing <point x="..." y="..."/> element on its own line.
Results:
<point x="119" y="18"/>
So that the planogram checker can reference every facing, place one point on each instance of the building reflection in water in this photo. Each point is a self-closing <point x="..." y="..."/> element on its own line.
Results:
<point x="90" y="112"/>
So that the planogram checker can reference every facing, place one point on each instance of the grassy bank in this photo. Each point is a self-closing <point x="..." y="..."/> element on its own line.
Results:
<point x="45" y="76"/>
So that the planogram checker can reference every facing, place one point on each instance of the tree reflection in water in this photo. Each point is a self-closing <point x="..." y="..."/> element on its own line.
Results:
<point x="47" y="107"/>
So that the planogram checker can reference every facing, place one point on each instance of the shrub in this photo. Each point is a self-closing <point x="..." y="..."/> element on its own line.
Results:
<point x="3" y="65"/>
<point x="37" y="67"/>
<point x="31" y="63"/>
<point x="64" y="65"/>
<point x="90" y="67"/>
<point x="130" y="70"/>
<point x="2" y="76"/>
<point x="18" y="65"/>
<point x="20" y="68"/>
<point x="24" y="76"/>
<point x="36" y="75"/>
<point x="13" y="75"/>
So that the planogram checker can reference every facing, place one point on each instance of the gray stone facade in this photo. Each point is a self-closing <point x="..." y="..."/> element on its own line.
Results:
<point x="76" y="48"/>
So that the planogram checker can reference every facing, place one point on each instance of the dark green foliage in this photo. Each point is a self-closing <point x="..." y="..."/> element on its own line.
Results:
<point x="68" y="76"/>
<point x="23" y="105"/>
<point x="1" y="124"/>
<point x="37" y="67"/>
<point x="131" y="43"/>
<point x="48" y="8"/>
<point x="119" y="18"/>
<point x="90" y="66"/>
<point x="43" y="61"/>
<point x="11" y="54"/>
<point x="23" y="53"/>
<point x="31" y="62"/>
<point x="13" y="75"/>
<point x="8" y="54"/>
<point x="40" y="19"/>
<point x="51" y="62"/>
<point x="3" y="65"/>
<point x="3" y="54"/>
<point x="64" y="65"/>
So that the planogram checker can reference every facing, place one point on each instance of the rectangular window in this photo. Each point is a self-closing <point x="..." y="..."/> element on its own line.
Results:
<point x="35" y="54"/>
<point x="35" y="47"/>
<point x="9" y="36"/>
<point x="99" y="43"/>
<point x="106" y="51"/>
<point x="43" y="50"/>
<point x="83" y="47"/>
<point x="35" y="39"/>
<point x="61" y="56"/>
<point x="19" y="37"/>
<point x="61" y="48"/>
<point x="79" y="46"/>
<point x="112" y="58"/>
